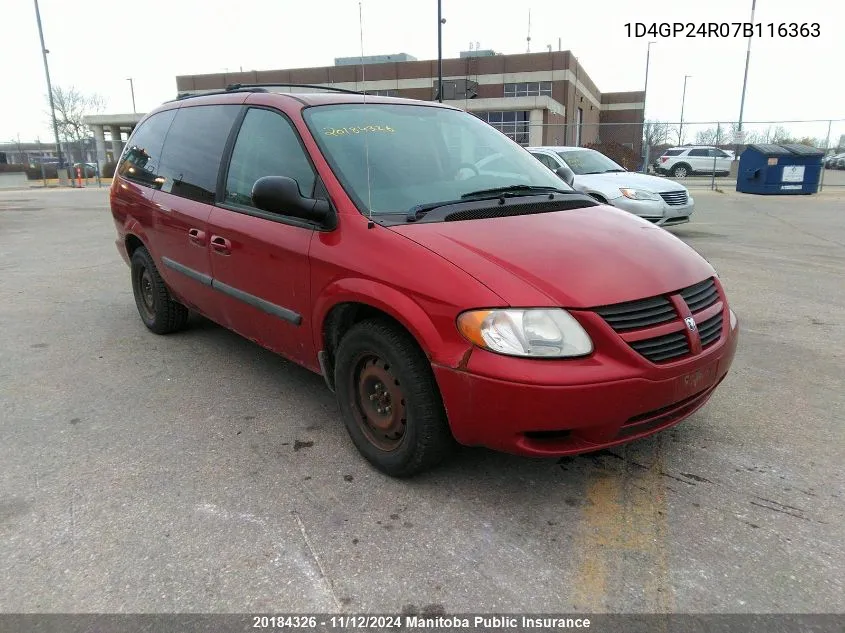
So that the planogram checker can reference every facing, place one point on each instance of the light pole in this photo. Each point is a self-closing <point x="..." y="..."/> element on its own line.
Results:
<point x="440" y="22"/>
<point x="645" y="97"/>
<point x="44" y="52"/>
<point x="132" y="88"/>
<point x="744" y="80"/>
<point x="683" y="99"/>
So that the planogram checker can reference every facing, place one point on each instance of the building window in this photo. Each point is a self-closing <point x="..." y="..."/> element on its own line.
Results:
<point x="513" y="124"/>
<point x="382" y="93"/>
<point x="529" y="89"/>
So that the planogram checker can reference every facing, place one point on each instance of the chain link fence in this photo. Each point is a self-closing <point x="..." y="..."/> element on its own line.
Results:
<point x="643" y="147"/>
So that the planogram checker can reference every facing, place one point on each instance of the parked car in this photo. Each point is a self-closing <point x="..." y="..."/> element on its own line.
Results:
<point x="681" y="162"/>
<point x="440" y="300"/>
<point x="833" y="162"/>
<point x="658" y="200"/>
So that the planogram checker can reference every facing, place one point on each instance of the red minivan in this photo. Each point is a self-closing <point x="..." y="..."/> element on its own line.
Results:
<point x="448" y="286"/>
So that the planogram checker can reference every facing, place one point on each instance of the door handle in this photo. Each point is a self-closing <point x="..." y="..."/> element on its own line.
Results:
<point x="197" y="237"/>
<point x="221" y="245"/>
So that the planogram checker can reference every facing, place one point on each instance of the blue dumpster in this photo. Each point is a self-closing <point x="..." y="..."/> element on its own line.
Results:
<point x="779" y="169"/>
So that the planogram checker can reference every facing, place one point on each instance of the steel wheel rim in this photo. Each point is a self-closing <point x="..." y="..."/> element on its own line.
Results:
<point x="378" y="402"/>
<point x="146" y="292"/>
<point x="681" y="172"/>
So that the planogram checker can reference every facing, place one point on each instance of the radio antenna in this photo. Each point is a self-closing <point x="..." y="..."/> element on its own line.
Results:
<point x="364" y="90"/>
<point x="528" y="39"/>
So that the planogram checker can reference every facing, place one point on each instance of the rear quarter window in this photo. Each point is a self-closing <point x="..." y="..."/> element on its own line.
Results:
<point x="141" y="159"/>
<point x="673" y="152"/>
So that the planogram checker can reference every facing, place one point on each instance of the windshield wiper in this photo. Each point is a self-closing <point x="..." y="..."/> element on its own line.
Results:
<point x="610" y="171"/>
<point x="531" y="189"/>
<point x="417" y="211"/>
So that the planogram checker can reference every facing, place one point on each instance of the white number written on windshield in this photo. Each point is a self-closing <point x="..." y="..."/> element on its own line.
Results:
<point x="341" y="131"/>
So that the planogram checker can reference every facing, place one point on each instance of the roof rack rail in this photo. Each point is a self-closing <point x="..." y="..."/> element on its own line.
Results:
<point x="237" y="87"/>
<point x="191" y="95"/>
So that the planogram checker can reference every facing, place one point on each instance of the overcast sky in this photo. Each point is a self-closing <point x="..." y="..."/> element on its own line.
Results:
<point x="96" y="44"/>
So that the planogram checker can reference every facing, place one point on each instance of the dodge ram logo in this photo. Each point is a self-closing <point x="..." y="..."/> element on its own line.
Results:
<point x="690" y="324"/>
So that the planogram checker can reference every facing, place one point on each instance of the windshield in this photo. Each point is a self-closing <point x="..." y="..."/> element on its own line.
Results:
<point x="588" y="161"/>
<point x="391" y="158"/>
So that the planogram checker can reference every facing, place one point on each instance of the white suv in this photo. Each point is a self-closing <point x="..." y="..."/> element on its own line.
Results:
<point x="681" y="162"/>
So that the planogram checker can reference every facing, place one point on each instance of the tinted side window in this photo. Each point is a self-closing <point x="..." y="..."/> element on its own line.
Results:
<point x="698" y="152"/>
<point x="141" y="159"/>
<point x="267" y="145"/>
<point x="546" y="160"/>
<point x="673" y="152"/>
<point x="191" y="157"/>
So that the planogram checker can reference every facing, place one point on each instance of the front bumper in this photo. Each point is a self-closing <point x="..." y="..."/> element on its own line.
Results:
<point x="656" y="211"/>
<point x="546" y="408"/>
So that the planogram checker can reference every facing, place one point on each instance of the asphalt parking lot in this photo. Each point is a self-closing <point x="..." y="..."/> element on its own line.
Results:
<point x="199" y="472"/>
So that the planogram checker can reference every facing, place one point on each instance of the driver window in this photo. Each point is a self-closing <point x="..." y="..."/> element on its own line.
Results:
<point x="267" y="145"/>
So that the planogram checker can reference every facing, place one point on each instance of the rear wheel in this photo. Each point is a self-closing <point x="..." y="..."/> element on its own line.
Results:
<point x="681" y="171"/>
<point x="389" y="400"/>
<point x="158" y="310"/>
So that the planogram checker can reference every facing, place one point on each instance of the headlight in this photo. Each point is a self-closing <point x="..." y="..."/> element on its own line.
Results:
<point x="535" y="333"/>
<point x="638" y="194"/>
<point x="733" y="319"/>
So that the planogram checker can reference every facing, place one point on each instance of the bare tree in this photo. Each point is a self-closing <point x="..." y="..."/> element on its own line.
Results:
<point x="781" y="135"/>
<point x="712" y="136"/>
<point x="655" y="133"/>
<point x="71" y="106"/>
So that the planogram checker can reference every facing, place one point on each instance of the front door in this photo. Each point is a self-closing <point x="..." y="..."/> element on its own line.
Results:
<point x="723" y="160"/>
<point x="259" y="260"/>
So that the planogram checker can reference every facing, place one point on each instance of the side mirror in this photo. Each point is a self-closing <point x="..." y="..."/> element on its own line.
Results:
<point x="565" y="174"/>
<point x="280" y="194"/>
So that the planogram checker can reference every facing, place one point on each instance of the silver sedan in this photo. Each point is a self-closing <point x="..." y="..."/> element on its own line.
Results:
<point x="658" y="200"/>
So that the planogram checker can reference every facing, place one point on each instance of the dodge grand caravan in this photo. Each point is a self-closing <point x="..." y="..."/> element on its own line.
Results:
<point x="447" y="286"/>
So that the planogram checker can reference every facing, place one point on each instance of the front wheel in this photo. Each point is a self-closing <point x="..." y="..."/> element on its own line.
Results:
<point x="389" y="400"/>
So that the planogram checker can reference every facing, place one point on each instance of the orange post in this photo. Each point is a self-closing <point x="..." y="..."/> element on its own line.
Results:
<point x="79" y="176"/>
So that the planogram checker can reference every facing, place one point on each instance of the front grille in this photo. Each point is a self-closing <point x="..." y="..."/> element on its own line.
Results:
<point x="637" y="314"/>
<point x="710" y="330"/>
<point x="662" y="348"/>
<point x="654" y="311"/>
<point x="675" y="198"/>
<point x="701" y="295"/>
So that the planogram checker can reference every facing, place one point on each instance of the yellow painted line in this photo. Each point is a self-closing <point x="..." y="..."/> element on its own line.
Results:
<point x="626" y="513"/>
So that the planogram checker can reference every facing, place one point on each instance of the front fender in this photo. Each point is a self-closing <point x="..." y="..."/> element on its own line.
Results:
<point x="447" y="350"/>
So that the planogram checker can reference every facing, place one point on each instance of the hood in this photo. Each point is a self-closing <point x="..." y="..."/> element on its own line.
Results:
<point x="578" y="258"/>
<point x="609" y="184"/>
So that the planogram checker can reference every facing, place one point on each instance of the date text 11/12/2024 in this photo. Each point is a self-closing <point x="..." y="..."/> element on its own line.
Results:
<point x="723" y="29"/>
<point x="484" y="622"/>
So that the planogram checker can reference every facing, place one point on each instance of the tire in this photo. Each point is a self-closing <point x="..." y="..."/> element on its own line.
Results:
<point x="157" y="308"/>
<point x="389" y="399"/>
<point x="681" y="171"/>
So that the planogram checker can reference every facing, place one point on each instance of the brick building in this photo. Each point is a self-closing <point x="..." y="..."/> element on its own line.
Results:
<point x="535" y="98"/>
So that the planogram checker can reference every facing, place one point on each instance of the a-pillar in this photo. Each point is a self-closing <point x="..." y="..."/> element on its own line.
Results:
<point x="100" y="144"/>
<point x="116" y="143"/>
